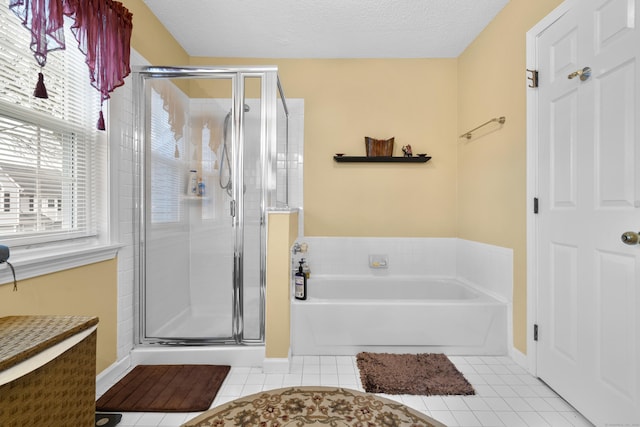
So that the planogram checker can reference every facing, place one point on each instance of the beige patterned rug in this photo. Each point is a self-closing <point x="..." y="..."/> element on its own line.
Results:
<point x="305" y="406"/>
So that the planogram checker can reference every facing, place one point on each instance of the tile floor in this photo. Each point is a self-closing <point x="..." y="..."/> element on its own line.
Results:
<point x="506" y="395"/>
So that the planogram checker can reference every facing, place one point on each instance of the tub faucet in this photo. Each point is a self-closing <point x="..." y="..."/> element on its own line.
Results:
<point x="299" y="248"/>
<point x="379" y="261"/>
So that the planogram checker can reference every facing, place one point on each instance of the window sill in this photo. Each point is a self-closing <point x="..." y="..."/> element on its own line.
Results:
<point x="37" y="262"/>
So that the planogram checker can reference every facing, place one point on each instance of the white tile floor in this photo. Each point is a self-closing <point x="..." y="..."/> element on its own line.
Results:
<point x="506" y="395"/>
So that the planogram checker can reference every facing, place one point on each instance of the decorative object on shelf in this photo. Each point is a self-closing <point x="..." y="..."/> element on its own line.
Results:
<point x="422" y="154"/>
<point x="339" y="154"/>
<point x="381" y="159"/>
<point x="407" y="151"/>
<point x="468" y="134"/>
<point x="379" y="147"/>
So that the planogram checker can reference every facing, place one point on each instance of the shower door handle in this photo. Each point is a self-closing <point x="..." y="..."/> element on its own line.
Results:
<point x="232" y="208"/>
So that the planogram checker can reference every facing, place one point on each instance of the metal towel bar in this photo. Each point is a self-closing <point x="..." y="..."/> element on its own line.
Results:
<point x="500" y="120"/>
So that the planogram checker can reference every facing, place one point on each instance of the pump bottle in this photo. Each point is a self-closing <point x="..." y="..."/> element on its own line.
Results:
<point x="300" y="283"/>
<point x="192" y="189"/>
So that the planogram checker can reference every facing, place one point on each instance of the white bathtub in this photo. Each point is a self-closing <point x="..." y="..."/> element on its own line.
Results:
<point x="344" y="315"/>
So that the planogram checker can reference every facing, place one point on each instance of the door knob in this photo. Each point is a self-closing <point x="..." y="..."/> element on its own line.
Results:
<point x="584" y="74"/>
<point x="630" y="238"/>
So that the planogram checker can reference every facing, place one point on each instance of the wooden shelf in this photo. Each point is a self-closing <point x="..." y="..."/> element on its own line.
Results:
<point x="381" y="159"/>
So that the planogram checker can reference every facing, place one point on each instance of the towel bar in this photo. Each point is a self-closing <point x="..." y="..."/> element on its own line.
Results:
<point x="500" y="120"/>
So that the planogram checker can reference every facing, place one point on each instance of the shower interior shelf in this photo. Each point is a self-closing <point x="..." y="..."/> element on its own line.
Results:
<point x="200" y="198"/>
<point x="381" y="159"/>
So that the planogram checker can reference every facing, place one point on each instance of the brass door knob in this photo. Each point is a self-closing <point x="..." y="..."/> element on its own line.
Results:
<point x="630" y="238"/>
<point x="584" y="74"/>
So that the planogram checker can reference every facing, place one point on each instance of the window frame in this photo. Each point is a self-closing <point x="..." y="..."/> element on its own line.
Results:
<point x="35" y="257"/>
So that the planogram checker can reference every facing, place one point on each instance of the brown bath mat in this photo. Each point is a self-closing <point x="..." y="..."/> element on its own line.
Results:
<point x="423" y="374"/>
<point x="165" y="388"/>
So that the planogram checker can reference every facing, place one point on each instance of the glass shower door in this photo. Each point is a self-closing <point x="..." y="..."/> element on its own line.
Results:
<point x="189" y="237"/>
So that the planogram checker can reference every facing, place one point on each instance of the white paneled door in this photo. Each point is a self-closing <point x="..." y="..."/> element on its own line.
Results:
<point x="588" y="185"/>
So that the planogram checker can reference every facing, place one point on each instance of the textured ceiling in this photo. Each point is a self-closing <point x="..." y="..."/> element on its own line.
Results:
<point x="325" y="28"/>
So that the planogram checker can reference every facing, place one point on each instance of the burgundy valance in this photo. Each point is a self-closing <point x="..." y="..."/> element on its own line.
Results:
<point x="101" y="27"/>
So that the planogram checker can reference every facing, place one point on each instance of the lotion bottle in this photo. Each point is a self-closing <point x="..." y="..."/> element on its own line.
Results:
<point x="300" y="283"/>
<point x="192" y="189"/>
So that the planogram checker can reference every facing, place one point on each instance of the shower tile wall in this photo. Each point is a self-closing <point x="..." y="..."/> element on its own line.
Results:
<point x="210" y="235"/>
<point x="295" y="155"/>
<point x="123" y="176"/>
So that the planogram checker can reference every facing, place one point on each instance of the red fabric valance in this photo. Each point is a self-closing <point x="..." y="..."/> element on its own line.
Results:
<point x="101" y="27"/>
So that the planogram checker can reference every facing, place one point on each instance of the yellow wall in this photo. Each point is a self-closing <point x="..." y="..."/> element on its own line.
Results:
<point x="492" y="166"/>
<point x="282" y="230"/>
<point x="152" y="40"/>
<point x="85" y="291"/>
<point x="413" y="100"/>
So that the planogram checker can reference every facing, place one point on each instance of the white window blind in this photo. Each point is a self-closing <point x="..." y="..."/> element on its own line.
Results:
<point x="168" y="174"/>
<point x="48" y="155"/>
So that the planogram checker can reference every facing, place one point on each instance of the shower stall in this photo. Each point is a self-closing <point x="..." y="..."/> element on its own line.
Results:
<point x="210" y="145"/>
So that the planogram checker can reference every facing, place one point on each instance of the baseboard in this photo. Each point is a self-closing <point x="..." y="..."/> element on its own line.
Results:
<point x="112" y="374"/>
<point x="520" y="358"/>
<point x="273" y="365"/>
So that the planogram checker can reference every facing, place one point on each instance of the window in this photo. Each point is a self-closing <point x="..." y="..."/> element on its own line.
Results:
<point x="49" y="159"/>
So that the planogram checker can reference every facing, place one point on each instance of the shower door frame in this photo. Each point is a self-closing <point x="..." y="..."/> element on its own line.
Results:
<point x="270" y="88"/>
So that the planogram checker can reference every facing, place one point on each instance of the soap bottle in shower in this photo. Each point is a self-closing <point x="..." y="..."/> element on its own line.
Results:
<point x="201" y="188"/>
<point x="300" y="283"/>
<point x="192" y="189"/>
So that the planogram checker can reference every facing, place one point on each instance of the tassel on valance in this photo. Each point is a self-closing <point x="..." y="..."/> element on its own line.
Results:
<point x="41" y="89"/>
<point x="45" y="20"/>
<point x="101" y="27"/>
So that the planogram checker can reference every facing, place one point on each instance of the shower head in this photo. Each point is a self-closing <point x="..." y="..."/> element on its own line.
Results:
<point x="246" y="110"/>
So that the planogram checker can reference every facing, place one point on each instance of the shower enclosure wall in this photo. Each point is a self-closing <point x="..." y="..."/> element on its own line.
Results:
<point x="208" y="144"/>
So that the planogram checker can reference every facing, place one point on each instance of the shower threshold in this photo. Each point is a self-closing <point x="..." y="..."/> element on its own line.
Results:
<point x="232" y="355"/>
